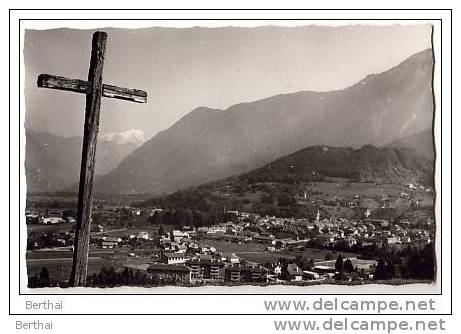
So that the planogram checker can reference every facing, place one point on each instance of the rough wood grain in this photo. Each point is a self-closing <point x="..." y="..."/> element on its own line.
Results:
<point x="90" y="134"/>
<point x="81" y="86"/>
<point x="133" y="95"/>
<point x="94" y="90"/>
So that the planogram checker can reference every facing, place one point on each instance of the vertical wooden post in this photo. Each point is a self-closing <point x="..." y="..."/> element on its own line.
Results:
<point x="85" y="191"/>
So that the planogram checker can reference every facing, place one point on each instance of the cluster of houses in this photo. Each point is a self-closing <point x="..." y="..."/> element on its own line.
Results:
<point x="214" y="267"/>
<point x="107" y="215"/>
<point x="181" y="258"/>
<point x="105" y="241"/>
<point x="345" y="233"/>
<point x="333" y="232"/>
<point x="206" y="269"/>
<point x="188" y="263"/>
<point x="274" y="232"/>
<point x="50" y="240"/>
<point x="47" y="218"/>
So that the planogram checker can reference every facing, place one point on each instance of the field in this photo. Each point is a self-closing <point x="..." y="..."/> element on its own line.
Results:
<point x="273" y="257"/>
<point x="59" y="262"/>
<point x="52" y="228"/>
<point x="60" y="268"/>
<point x="368" y="192"/>
<point x="231" y="247"/>
<point x="255" y="252"/>
<point x="135" y="230"/>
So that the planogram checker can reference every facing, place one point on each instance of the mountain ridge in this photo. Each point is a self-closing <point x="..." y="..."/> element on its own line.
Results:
<point x="273" y="188"/>
<point x="422" y="142"/>
<point x="53" y="161"/>
<point x="209" y="144"/>
<point x="397" y="165"/>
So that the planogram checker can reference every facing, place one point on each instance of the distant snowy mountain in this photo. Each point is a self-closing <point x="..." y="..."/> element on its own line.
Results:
<point x="53" y="162"/>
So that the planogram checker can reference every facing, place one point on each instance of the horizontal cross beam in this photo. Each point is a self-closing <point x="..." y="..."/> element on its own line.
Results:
<point x="81" y="86"/>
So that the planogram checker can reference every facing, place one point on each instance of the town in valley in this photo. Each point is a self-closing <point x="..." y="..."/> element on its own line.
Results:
<point x="262" y="156"/>
<point x="354" y="240"/>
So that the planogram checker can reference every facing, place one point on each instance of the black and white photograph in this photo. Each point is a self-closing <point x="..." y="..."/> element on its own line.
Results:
<point x="230" y="156"/>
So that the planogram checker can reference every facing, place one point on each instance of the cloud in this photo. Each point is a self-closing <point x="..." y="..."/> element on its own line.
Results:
<point x="134" y="136"/>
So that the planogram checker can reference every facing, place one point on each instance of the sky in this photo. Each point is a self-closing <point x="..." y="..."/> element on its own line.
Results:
<point x="185" y="68"/>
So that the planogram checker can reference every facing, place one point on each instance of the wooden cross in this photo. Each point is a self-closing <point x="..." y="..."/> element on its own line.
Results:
<point x="94" y="90"/>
